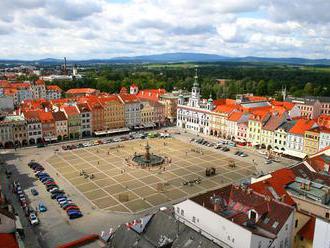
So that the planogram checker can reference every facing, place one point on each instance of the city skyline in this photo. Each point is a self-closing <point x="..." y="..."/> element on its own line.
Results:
<point x="38" y="29"/>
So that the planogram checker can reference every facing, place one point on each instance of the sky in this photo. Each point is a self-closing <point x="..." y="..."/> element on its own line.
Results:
<point x="101" y="29"/>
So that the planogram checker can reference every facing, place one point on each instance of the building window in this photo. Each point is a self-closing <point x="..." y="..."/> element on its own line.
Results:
<point x="182" y="212"/>
<point x="194" y="219"/>
<point x="327" y="215"/>
<point x="296" y="224"/>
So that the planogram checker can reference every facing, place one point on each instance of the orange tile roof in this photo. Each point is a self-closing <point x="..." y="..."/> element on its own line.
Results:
<point x="286" y="105"/>
<point x="256" y="98"/>
<point x="45" y="116"/>
<point x="8" y="240"/>
<point x="20" y="85"/>
<point x="127" y="98"/>
<point x="10" y="91"/>
<point x="235" y="116"/>
<point x="226" y="108"/>
<point x="324" y="120"/>
<point x="4" y="84"/>
<point x="320" y="160"/>
<point x="81" y="91"/>
<point x="53" y="87"/>
<point x="109" y="98"/>
<point x="151" y="94"/>
<point x="40" y="82"/>
<point x="259" y="113"/>
<point x="70" y="110"/>
<point x="301" y="126"/>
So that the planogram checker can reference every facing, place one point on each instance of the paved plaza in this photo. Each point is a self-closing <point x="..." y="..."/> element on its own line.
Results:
<point x="120" y="187"/>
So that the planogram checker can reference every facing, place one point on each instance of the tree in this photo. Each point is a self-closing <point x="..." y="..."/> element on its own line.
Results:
<point x="308" y="89"/>
<point x="261" y="88"/>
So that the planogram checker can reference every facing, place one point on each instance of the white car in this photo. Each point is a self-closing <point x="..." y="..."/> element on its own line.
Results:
<point x="34" y="219"/>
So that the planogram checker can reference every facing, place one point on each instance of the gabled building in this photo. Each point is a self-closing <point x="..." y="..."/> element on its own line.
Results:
<point x="53" y="92"/>
<point x="257" y="120"/>
<point x="78" y="92"/>
<point x="324" y="138"/>
<point x="34" y="127"/>
<point x="73" y="116"/>
<point x="234" y="128"/>
<point x="86" y="118"/>
<point x="268" y="130"/>
<point x="97" y="111"/>
<point x="38" y="89"/>
<point x="219" y="119"/>
<point x="132" y="109"/>
<point x="280" y="136"/>
<point x="309" y="107"/>
<point x="114" y="112"/>
<point x="295" y="137"/>
<point x="237" y="217"/>
<point x="61" y="125"/>
<point x="311" y="141"/>
<point x="48" y="126"/>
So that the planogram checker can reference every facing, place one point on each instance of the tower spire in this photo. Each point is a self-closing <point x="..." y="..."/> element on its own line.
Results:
<point x="196" y="77"/>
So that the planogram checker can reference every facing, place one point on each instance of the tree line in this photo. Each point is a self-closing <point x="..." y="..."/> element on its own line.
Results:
<point x="259" y="79"/>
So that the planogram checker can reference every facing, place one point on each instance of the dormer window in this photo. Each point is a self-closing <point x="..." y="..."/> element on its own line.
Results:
<point x="253" y="215"/>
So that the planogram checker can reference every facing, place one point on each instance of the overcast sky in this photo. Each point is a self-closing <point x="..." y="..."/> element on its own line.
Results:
<point x="81" y="29"/>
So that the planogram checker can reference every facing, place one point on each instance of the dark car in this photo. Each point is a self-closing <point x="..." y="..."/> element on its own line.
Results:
<point x="65" y="148"/>
<point x="34" y="192"/>
<point x="80" y="145"/>
<point x="75" y="215"/>
<point x="53" y="196"/>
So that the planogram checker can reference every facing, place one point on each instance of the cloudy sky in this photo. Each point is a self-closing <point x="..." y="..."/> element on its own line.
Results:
<point x="81" y="29"/>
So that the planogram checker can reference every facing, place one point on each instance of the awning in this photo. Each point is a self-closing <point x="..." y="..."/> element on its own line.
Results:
<point x="295" y="154"/>
<point x="50" y="138"/>
<point x="112" y="131"/>
<point x="149" y="125"/>
<point x="240" y="140"/>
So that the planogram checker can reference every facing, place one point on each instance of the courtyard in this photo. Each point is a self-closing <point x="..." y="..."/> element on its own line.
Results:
<point x="112" y="184"/>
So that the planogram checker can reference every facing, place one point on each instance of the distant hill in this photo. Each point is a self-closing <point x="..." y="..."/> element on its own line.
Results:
<point x="177" y="58"/>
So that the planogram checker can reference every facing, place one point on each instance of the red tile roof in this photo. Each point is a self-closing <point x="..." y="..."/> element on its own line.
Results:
<point x="20" y="85"/>
<point x="8" y="240"/>
<point x="324" y="120"/>
<point x="301" y="126"/>
<point x="81" y="91"/>
<point x="320" y="160"/>
<point x="59" y="116"/>
<point x="256" y="98"/>
<point x="235" y="200"/>
<point x="53" y="88"/>
<point x="277" y="182"/>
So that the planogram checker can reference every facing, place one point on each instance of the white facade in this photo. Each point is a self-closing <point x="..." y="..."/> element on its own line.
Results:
<point x="324" y="139"/>
<point x="132" y="114"/>
<point x="6" y="133"/>
<point x="86" y="123"/>
<point x="280" y="139"/>
<point x="227" y="233"/>
<point x="196" y="114"/>
<point x="39" y="90"/>
<point x="321" y="234"/>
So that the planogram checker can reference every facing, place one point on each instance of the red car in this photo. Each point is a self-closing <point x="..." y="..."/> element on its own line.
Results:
<point x="72" y="208"/>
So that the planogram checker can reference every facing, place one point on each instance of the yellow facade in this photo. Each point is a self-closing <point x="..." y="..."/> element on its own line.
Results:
<point x="254" y="132"/>
<point x="114" y="114"/>
<point x="311" y="141"/>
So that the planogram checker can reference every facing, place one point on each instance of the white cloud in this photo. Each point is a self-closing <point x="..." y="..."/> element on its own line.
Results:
<point x="102" y="29"/>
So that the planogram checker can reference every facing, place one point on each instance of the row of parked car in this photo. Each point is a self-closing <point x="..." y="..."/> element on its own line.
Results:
<point x="52" y="187"/>
<point x="221" y="145"/>
<point x="104" y="141"/>
<point x="29" y="211"/>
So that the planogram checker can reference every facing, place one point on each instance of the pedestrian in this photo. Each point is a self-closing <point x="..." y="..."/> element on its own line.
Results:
<point x="98" y="162"/>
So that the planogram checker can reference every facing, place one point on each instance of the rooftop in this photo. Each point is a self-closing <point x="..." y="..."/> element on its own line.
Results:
<point x="301" y="126"/>
<point x="235" y="203"/>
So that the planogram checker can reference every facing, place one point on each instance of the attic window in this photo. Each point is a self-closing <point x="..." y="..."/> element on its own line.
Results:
<point x="266" y="220"/>
<point x="275" y="224"/>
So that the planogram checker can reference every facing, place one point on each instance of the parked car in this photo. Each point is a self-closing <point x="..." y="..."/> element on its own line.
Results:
<point x="34" y="192"/>
<point x="42" y="207"/>
<point x="268" y="161"/>
<point x="68" y="204"/>
<point x="243" y="154"/>
<point x="75" y="215"/>
<point x="33" y="219"/>
<point x="54" y="195"/>
<point x="72" y="208"/>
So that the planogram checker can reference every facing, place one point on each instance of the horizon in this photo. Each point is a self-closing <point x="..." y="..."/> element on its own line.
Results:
<point x="104" y="29"/>
<point x="158" y="54"/>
